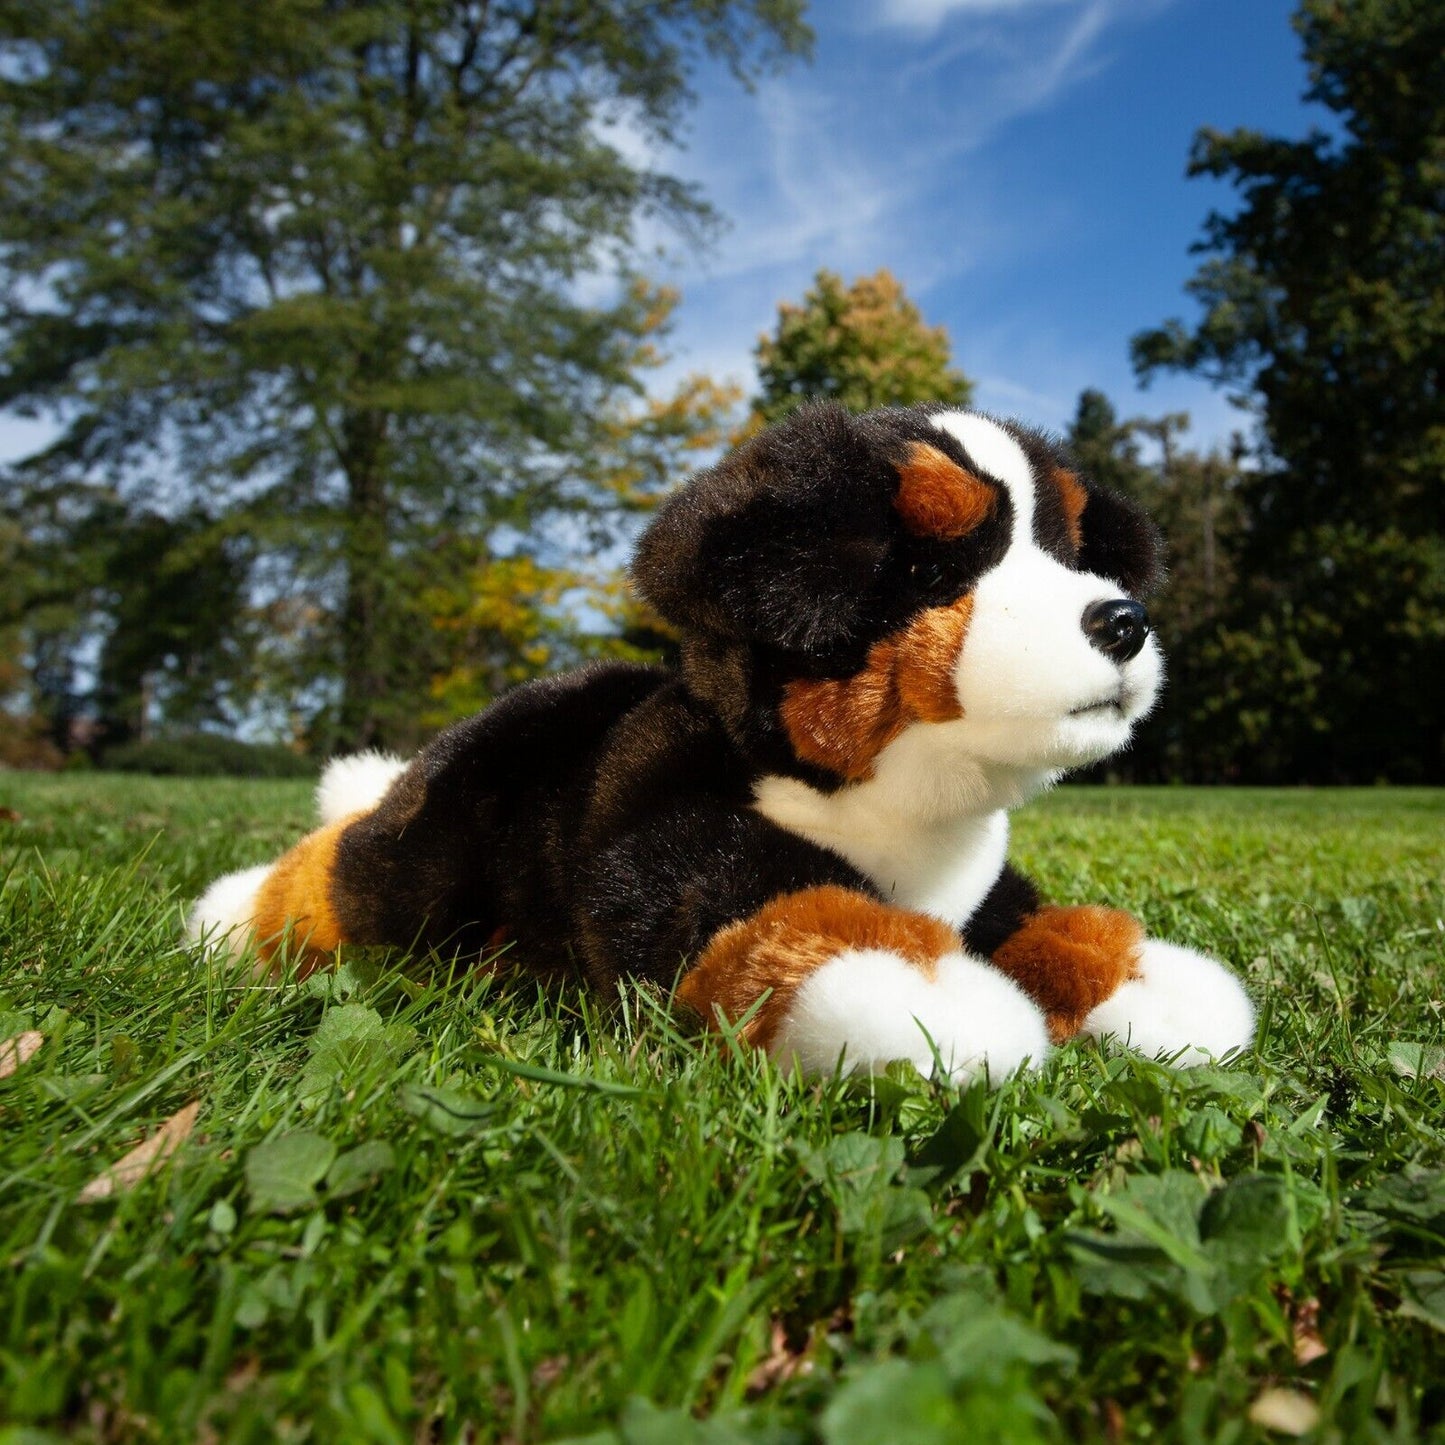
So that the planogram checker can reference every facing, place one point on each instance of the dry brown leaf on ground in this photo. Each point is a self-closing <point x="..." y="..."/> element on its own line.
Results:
<point x="1289" y="1412"/>
<point x="127" y="1172"/>
<point x="1309" y="1345"/>
<point x="19" y="1050"/>
<point x="783" y="1361"/>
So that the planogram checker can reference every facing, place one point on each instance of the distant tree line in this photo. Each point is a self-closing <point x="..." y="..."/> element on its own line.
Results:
<point x="349" y="445"/>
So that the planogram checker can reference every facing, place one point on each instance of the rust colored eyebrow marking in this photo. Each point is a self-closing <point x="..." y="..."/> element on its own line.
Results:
<point x="937" y="497"/>
<point x="843" y="724"/>
<point x="784" y="941"/>
<point x="1075" y="498"/>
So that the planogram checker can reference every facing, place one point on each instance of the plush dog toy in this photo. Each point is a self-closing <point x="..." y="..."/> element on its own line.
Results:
<point x="895" y="627"/>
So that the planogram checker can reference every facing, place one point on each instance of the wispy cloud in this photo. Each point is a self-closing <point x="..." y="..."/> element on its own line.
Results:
<point x="885" y="153"/>
<point x="828" y="162"/>
<point x="930" y="14"/>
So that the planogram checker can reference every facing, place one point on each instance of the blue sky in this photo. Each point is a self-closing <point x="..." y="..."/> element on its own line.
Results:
<point x="1018" y="164"/>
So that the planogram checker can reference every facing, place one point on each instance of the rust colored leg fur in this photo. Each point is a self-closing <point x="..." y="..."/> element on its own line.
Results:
<point x="777" y="947"/>
<point x="1069" y="960"/>
<point x="294" y="905"/>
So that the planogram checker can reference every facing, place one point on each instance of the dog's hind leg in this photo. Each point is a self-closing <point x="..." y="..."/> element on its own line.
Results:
<point x="290" y="901"/>
<point x="308" y="902"/>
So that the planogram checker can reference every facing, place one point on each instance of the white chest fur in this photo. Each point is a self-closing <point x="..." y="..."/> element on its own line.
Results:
<point x="940" y="866"/>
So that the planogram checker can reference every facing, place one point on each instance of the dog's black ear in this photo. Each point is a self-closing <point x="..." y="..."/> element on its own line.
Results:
<point x="782" y="542"/>
<point x="1120" y="541"/>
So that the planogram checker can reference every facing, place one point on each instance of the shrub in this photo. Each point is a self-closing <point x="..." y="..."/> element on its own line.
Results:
<point x="24" y="744"/>
<point x="208" y="755"/>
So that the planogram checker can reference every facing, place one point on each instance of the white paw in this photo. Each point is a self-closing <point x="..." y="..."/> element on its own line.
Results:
<point x="355" y="784"/>
<point x="221" y="917"/>
<point x="869" y="1007"/>
<point x="1182" y="1000"/>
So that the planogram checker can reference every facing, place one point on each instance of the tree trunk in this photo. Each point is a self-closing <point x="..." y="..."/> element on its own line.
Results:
<point x="363" y="651"/>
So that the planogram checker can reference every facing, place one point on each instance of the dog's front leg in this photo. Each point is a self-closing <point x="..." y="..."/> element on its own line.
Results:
<point x="1096" y="973"/>
<point x="829" y="977"/>
<point x="1176" y="1003"/>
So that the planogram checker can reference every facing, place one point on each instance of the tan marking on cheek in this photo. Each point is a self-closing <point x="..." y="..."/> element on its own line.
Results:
<point x="1075" y="498"/>
<point x="1069" y="960"/>
<point x="781" y="944"/>
<point x="293" y="905"/>
<point x="927" y="653"/>
<point x="844" y="723"/>
<point x="937" y="497"/>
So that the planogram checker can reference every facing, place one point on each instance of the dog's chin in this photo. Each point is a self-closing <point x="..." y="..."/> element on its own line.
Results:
<point x="1090" y="735"/>
<point x="1056" y="743"/>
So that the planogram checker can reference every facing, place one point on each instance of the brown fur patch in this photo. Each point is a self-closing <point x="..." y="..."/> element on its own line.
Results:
<point x="1069" y="960"/>
<point x="785" y="940"/>
<point x="294" y="906"/>
<point x="937" y="497"/>
<point x="1075" y="498"/>
<point x="844" y="723"/>
<point x="928" y="648"/>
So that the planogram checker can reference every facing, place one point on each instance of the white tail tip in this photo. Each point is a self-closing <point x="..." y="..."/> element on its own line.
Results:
<point x="355" y="784"/>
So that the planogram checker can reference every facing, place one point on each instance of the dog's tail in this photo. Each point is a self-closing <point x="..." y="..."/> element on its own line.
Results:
<point x="355" y="784"/>
<point x="292" y="895"/>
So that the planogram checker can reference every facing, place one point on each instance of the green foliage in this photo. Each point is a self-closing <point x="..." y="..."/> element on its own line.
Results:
<point x="1324" y="306"/>
<point x="1108" y="449"/>
<point x="1326" y="299"/>
<point x="422" y="1202"/>
<point x="864" y="345"/>
<point x="150" y="607"/>
<point x="500" y="620"/>
<point x="316" y="268"/>
<point x="207" y="755"/>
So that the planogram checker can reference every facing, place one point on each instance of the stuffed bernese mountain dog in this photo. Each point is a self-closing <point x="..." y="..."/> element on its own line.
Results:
<point x="895" y="627"/>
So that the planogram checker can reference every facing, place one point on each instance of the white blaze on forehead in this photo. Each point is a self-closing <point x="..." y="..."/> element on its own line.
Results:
<point x="991" y="448"/>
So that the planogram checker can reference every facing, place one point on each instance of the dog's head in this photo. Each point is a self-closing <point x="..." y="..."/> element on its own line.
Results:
<point x="846" y="582"/>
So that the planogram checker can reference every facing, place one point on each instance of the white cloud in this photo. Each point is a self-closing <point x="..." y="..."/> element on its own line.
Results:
<point x="853" y="164"/>
<point x="880" y="156"/>
<point x="928" y="15"/>
<point x="829" y="163"/>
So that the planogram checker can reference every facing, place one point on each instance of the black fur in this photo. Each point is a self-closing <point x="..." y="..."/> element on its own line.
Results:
<point x="1011" y="899"/>
<point x="1121" y="542"/>
<point x="791" y="544"/>
<point x="600" y="820"/>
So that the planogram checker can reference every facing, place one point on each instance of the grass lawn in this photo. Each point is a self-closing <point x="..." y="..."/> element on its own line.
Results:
<point x="414" y="1207"/>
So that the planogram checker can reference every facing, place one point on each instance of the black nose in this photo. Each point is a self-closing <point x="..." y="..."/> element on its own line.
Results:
<point x="1116" y="628"/>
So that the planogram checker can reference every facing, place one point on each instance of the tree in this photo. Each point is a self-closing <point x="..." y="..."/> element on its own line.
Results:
<point x="505" y="618"/>
<point x="1108" y="449"/>
<point x="317" y="267"/>
<point x="864" y="345"/>
<point x="1324" y="305"/>
<point x="121" y="611"/>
